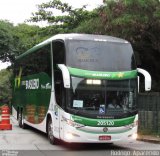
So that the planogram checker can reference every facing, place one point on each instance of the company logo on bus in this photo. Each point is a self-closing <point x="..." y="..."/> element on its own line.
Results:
<point x="46" y="86"/>
<point x="101" y="75"/>
<point x="32" y="84"/>
<point x="105" y="129"/>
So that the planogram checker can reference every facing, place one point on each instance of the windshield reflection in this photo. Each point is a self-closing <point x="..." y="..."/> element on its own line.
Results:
<point x="93" y="55"/>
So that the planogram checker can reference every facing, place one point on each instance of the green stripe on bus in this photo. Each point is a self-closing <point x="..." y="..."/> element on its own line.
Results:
<point x="103" y="75"/>
<point x="103" y="122"/>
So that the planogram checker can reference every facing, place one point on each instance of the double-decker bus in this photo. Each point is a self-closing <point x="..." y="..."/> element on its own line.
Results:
<point x="79" y="88"/>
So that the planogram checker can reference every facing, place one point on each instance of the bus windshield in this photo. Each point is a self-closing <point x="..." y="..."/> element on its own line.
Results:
<point x="100" y="55"/>
<point x="102" y="98"/>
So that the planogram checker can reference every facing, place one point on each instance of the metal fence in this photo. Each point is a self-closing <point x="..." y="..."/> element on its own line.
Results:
<point x="149" y="113"/>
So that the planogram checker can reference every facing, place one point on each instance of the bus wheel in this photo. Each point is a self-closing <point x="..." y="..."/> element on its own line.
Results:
<point x="21" y="121"/>
<point x="51" y="137"/>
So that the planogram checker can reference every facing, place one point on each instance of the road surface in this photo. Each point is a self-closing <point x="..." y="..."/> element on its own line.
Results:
<point x="26" y="142"/>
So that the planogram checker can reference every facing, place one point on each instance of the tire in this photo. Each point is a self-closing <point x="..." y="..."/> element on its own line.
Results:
<point x="21" y="121"/>
<point x="51" y="137"/>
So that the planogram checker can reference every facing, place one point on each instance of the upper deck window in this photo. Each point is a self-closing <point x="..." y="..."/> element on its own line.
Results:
<point x="36" y="62"/>
<point x="100" y="55"/>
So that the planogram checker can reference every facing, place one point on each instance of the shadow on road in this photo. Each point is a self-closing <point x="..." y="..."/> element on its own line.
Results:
<point x="90" y="147"/>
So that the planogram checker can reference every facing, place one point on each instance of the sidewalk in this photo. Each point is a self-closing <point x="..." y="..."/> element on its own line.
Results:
<point x="149" y="138"/>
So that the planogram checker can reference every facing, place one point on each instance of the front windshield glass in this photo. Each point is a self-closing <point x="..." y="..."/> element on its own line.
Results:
<point x="102" y="98"/>
<point x="100" y="56"/>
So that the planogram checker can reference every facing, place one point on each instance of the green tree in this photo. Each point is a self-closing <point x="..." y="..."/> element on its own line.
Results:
<point x="70" y="18"/>
<point x="7" y="41"/>
<point x="15" y="40"/>
<point x="26" y="37"/>
<point x="5" y="86"/>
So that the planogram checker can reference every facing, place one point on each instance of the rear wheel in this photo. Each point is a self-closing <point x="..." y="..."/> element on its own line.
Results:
<point x="21" y="120"/>
<point x="51" y="137"/>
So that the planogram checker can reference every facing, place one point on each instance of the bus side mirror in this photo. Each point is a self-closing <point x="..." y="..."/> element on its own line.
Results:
<point x="65" y="74"/>
<point x="147" y="77"/>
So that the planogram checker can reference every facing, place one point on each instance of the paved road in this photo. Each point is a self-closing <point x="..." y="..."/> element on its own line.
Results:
<point x="29" y="141"/>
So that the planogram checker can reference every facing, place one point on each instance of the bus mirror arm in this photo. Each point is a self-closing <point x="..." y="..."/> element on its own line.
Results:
<point x="147" y="77"/>
<point x="65" y="74"/>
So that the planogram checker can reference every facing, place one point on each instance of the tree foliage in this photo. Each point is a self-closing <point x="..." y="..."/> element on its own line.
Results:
<point x="15" y="40"/>
<point x="68" y="19"/>
<point x="6" y="41"/>
<point x="5" y="86"/>
<point x="27" y="36"/>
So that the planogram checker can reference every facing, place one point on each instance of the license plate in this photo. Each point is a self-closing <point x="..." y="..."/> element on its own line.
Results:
<point x="104" y="137"/>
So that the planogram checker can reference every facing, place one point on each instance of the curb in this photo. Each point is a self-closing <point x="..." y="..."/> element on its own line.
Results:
<point x="149" y="139"/>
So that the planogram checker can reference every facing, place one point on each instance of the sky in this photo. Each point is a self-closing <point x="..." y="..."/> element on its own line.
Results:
<point x="17" y="11"/>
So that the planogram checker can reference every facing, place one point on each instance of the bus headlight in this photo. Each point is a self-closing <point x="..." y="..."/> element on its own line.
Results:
<point x="72" y="123"/>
